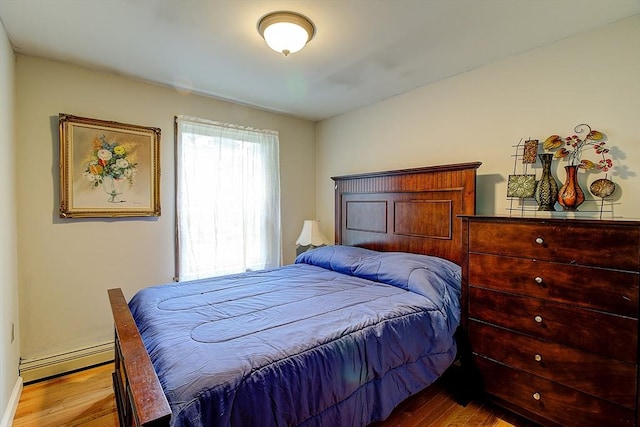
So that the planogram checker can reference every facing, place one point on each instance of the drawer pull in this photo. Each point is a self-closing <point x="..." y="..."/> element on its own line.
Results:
<point x="537" y="358"/>
<point x="538" y="280"/>
<point x="539" y="240"/>
<point x="537" y="396"/>
<point x="538" y="319"/>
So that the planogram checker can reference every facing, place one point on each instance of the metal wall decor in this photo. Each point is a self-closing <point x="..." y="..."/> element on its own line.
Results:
<point x="527" y="193"/>
<point x="521" y="186"/>
<point x="572" y="150"/>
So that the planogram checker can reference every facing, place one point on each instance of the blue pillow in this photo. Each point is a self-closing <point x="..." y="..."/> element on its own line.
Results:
<point x="422" y="274"/>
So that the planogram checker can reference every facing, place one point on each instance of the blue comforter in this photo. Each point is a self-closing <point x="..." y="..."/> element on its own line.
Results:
<point x="337" y="339"/>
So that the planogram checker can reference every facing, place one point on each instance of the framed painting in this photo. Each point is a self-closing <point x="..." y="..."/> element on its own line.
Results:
<point x="108" y="169"/>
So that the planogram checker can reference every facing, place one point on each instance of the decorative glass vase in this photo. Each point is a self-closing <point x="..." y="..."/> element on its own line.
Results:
<point x="114" y="187"/>
<point x="571" y="195"/>
<point x="546" y="192"/>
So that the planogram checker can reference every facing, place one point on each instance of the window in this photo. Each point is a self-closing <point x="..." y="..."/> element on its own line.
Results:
<point x="227" y="199"/>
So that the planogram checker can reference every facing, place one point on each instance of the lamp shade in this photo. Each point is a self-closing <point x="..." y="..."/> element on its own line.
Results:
<point x="311" y="235"/>
<point x="286" y="32"/>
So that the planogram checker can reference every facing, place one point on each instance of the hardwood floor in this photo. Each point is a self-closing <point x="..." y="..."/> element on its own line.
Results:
<point x="85" y="398"/>
<point x="82" y="398"/>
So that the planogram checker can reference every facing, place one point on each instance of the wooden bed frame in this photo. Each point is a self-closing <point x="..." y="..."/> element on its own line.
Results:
<point x="410" y="210"/>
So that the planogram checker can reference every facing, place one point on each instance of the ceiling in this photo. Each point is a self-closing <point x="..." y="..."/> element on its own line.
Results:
<point x="363" y="51"/>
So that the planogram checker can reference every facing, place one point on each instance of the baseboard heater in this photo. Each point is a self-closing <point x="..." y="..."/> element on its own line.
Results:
<point x="44" y="367"/>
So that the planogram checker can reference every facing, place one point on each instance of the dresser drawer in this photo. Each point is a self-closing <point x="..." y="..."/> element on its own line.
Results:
<point x="603" y="377"/>
<point x="607" y="290"/>
<point x="548" y="399"/>
<point x="601" y="333"/>
<point x="567" y="242"/>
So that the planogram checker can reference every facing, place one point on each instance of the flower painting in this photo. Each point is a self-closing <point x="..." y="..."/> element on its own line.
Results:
<point x="108" y="169"/>
<point x="110" y="164"/>
<point x="114" y="159"/>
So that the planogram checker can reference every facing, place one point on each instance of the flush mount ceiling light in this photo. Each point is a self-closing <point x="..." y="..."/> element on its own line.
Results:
<point x="286" y="32"/>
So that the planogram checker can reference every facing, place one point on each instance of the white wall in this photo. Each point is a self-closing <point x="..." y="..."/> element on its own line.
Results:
<point x="9" y="351"/>
<point x="66" y="265"/>
<point x="591" y="78"/>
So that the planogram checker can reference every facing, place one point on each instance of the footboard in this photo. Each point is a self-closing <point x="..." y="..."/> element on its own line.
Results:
<point x="139" y="395"/>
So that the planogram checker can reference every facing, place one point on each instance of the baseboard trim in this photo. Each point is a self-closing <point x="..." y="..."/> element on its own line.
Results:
<point x="37" y="369"/>
<point x="12" y="406"/>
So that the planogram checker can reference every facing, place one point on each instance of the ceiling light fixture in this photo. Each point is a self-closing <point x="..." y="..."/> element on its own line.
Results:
<point x="286" y="32"/>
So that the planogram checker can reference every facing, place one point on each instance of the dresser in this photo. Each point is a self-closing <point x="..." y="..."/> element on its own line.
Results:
<point x="550" y="314"/>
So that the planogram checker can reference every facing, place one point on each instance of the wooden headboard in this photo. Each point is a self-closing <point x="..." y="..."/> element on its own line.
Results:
<point x="409" y="210"/>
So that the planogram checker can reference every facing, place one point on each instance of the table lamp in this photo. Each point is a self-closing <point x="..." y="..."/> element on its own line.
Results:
<point x="310" y="237"/>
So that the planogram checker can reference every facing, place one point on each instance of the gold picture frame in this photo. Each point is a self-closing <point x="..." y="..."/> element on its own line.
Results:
<point x="108" y="169"/>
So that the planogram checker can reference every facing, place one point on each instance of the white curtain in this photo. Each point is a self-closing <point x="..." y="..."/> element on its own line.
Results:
<point x="227" y="199"/>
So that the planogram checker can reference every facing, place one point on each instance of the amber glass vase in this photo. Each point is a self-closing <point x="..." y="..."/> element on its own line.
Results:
<point x="571" y="195"/>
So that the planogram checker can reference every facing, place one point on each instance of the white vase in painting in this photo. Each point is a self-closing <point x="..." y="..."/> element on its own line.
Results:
<point x="114" y="187"/>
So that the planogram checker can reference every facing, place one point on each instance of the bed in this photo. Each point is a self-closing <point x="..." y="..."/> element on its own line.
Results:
<point x="341" y="337"/>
